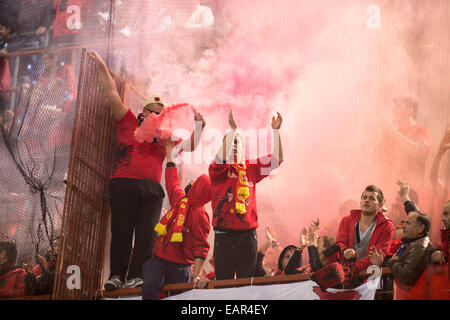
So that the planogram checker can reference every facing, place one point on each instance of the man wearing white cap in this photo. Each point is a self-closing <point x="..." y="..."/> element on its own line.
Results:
<point x="136" y="195"/>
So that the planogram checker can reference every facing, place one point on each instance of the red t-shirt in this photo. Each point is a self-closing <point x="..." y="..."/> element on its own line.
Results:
<point x="223" y="181"/>
<point x="136" y="160"/>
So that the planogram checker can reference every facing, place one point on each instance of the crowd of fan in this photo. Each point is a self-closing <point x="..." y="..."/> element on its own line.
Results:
<point x="405" y="249"/>
<point x="365" y="236"/>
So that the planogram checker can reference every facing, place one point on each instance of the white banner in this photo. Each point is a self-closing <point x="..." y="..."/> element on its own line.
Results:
<point x="306" y="290"/>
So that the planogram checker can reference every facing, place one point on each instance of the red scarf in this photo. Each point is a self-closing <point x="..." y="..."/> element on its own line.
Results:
<point x="174" y="221"/>
<point x="242" y="189"/>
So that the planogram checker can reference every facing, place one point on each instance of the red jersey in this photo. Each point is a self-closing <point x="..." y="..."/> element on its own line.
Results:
<point x="197" y="226"/>
<point x="224" y="178"/>
<point x="136" y="160"/>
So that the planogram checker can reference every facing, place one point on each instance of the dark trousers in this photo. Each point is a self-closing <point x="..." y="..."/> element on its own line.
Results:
<point x="158" y="272"/>
<point x="135" y="207"/>
<point x="235" y="252"/>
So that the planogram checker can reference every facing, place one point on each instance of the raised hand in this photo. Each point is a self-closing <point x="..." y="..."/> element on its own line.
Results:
<point x="231" y="120"/>
<point x="270" y="234"/>
<point x="198" y="117"/>
<point x="312" y="233"/>
<point x="316" y="223"/>
<point x="276" y="122"/>
<point x="28" y="266"/>
<point x="375" y="256"/>
<point x="445" y="142"/>
<point x="438" y="257"/>
<point x="169" y="144"/>
<point x="304" y="239"/>
<point x="349" y="253"/>
<point x="404" y="190"/>
<point x="202" y="283"/>
<point x="95" y="56"/>
<point x="41" y="261"/>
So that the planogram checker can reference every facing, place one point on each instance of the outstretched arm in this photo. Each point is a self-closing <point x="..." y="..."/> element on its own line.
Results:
<point x="438" y="186"/>
<point x="270" y="239"/>
<point x="192" y="143"/>
<point x="277" y="147"/>
<point x="109" y="86"/>
<point x="404" y="194"/>
<point x="174" y="191"/>
<point x="227" y="144"/>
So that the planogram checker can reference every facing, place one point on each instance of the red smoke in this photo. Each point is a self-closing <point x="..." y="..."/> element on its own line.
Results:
<point x="161" y="126"/>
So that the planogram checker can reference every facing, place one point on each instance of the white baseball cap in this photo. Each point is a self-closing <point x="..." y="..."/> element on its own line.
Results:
<point x="153" y="99"/>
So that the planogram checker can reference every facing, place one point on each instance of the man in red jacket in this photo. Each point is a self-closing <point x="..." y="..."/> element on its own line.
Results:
<point x="235" y="218"/>
<point x="12" y="277"/>
<point x="364" y="229"/>
<point x="183" y="233"/>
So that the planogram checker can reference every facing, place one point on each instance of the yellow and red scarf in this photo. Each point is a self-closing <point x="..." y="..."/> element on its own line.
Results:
<point x="177" y="213"/>
<point x="242" y="188"/>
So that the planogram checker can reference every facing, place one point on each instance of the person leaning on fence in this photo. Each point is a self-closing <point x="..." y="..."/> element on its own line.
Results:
<point x="366" y="228"/>
<point x="235" y="217"/>
<point x="136" y="195"/>
<point x="12" y="277"/>
<point x="183" y="233"/>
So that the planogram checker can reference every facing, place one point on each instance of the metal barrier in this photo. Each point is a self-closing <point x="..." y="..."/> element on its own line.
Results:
<point x="85" y="220"/>
<point x="86" y="207"/>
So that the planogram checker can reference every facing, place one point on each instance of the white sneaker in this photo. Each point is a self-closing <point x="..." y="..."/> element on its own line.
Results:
<point x="113" y="283"/>
<point x="133" y="283"/>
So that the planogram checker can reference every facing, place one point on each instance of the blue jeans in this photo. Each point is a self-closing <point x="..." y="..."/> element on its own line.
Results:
<point x="157" y="273"/>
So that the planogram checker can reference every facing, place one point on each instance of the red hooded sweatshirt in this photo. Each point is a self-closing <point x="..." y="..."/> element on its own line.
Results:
<point x="197" y="226"/>
<point x="12" y="281"/>
<point x="381" y="236"/>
